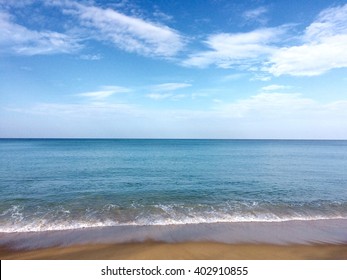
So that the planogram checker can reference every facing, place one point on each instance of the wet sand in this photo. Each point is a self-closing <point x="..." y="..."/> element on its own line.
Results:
<point x="181" y="251"/>
<point x="288" y="240"/>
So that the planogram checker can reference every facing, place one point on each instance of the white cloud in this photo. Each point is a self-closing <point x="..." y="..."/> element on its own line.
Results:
<point x="233" y="77"/>
<point x="330" y="22"/>
<point x="256" y="15"/>
<point x="159" y="96"/>
<point x="230" y="49"/>
<point x="18" y="39"/>
<point x="106" y="91"/>
<point x="162" y="16"/>
<point x="128" y="33"/>
<point x="274" y="87"/>
<point x="261" y="77"/>
<point x="310" y="59"/>
<point x="165" y="91"/>
<point x="16" y="3"/>
<point x="323" y="48"/>
<point x="91" y="56"/>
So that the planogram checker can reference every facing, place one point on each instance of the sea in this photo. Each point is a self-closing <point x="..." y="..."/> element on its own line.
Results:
<point x="67" y="191"/>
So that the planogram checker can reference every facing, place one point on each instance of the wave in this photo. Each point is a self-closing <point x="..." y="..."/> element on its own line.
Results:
<point x="18" y="218"/>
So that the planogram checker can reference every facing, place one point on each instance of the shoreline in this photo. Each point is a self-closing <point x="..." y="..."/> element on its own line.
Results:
<point x="275" y="233"/>
<point x="180" y="251"/>
<point x="291" y="240"/>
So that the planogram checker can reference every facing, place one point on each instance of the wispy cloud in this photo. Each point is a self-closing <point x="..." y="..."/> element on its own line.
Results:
<point x="256" y="15"/>
<point x="18" y="39"/>
<point x="159" y="96"/>
<point x="104" y="92"/>
<point x="161" y="15"/>
<point x="233" y="77"/>
<point x="323" y="47"/>
<point x="128" y="33"/>
<point x="166" y="91"/>
<point x="90" y="56"/>
<point x="320" y="48"/>
<point x="169" y="86"/>
<point x="16" y="3"/>
<point x="231" y="49"/>
<point x="274" y="87"/>
<point x="261" y="77"/>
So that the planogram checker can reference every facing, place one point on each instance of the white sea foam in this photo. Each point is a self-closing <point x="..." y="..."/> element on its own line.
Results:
<point x="43" y="225"/>
<point x="18" y="219"/>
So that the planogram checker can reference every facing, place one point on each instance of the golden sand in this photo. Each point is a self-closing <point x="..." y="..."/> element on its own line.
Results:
<point x="182" y="251"/>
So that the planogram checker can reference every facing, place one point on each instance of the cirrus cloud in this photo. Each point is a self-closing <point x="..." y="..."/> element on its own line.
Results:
<point x="169" y="86"/>
<point x="256" y="15"/>
<point x="165" y="91"/>
<point x="128" y="33"/>
<point x="88" y="22"/>
<point x="18" y="39"/>
<point x="104" y="92"/>
<point x="274" y="87"/>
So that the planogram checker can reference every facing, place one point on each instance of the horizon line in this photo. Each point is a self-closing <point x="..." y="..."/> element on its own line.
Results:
<point x="168" y="138"/>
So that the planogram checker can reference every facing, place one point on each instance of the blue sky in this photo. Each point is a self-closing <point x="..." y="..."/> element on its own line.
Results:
<point x="173" y="69"/>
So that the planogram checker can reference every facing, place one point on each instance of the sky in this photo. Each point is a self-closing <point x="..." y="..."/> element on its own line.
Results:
<point x="173" y="69"/>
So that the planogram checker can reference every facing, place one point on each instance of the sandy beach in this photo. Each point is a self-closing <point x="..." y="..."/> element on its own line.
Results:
<point x="181" y="251"/>
<point x="291" y="240"/>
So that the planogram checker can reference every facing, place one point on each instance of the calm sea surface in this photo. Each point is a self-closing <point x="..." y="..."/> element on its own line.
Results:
<point x="72" y="184"/>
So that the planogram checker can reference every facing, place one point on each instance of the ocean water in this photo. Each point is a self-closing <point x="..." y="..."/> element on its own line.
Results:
<point x="49" y="185"/>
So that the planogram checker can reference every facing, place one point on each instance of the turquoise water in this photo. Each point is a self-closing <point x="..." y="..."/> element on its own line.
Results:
<point x="73" y="184"/>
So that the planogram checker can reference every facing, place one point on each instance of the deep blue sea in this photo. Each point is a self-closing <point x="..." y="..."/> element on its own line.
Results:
<point x="70" y="184"/>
